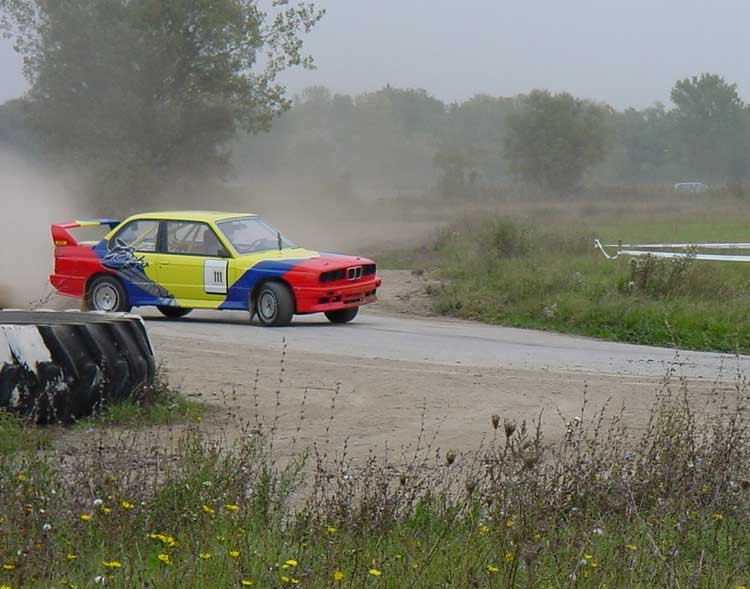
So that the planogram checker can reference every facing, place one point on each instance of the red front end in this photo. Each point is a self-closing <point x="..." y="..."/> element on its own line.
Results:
<point x="330" y="283"/>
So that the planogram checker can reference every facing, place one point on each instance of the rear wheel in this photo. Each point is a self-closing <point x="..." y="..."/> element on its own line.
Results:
<point x="173" y="312"/>
<point x="106" y="293"/>
<point x="274" y="305"/>
<point x="342" y="315"/>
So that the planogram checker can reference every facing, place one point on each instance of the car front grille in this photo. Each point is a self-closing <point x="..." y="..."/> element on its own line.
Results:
<point x="352" y="273"/>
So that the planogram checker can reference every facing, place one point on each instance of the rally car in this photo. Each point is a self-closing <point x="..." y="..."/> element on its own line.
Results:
<point x="180" y="261"/>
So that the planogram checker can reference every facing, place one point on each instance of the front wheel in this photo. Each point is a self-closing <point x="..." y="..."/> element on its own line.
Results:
<point x="173" y="312"/>
<point x="342" y="315"/>
<point x="274" y="305"/>
<point x="106" y="293"/>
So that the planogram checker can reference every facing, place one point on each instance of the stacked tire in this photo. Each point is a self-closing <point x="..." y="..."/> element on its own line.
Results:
<point x="56" y="367"/>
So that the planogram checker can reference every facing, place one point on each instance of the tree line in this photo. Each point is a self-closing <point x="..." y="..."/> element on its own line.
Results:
<point x="405" y="138"/>
<point x="141" y="93"/>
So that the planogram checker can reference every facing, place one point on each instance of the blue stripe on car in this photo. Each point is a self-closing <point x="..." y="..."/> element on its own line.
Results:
<point x="238" y="294"/>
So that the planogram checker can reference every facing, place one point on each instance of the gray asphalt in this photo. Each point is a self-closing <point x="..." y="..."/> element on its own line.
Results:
<point x="373" y="335"/>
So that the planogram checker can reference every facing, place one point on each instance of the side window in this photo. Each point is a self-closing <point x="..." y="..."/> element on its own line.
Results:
<point x="196" y="239"/>
<point x="141" y="235"/>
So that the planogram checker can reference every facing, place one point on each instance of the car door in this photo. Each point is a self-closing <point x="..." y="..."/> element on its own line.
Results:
<point x="193" y="264"/>
<point x="133" y="254"/>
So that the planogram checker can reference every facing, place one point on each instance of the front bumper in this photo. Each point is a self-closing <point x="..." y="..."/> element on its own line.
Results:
<point x="319" y="299"/>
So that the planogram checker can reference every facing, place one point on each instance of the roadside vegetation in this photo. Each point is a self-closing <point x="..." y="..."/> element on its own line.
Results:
<point x="538" y="268"/>
<point x="158" y="405"/>
<point x="666" y="505"/>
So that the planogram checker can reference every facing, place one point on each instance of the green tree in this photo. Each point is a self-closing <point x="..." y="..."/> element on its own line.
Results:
<point x="143" y="91"/>
<point x="643" y="148"/>
<point x="711" y="135"/>
<point x="552" y="140"/>
<point x="458" y="174"/>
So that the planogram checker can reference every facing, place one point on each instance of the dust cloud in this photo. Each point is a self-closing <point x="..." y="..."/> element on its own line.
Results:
<point x="31" y="199"/>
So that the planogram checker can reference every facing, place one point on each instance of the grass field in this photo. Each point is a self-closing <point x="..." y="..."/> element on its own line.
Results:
<point x="666" y="506"/>
<point x="534" y="266"/>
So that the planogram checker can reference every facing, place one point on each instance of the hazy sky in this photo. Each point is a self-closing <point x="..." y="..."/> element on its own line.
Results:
<point x="625" y="52"/>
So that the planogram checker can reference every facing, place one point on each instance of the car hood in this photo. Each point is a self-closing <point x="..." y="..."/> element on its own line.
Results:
<point x="302" y="260"/>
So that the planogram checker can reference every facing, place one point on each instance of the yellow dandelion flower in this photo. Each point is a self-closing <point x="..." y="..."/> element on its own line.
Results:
<point x="718" y="517"/>
<point x="232" y="507"/>
<point x="22" y="477"/>
<point x="331" y="530"/>
<point x="127" y="505"/>
<point x="509" y="523"/>
<point x="106" y="510"/>
<point x="234" y="553"/>
<point x="205" y="556"/>
<point x="246" y="582"/>
<point x="508" y="557"/>
<point x="208" y="509"/>
<point x="221" y="538"/>
<point x="375" y="572"/>
<point x="537" y="536"/>
<point x="86" y="517"/>
<point x="284" y="579"/>
<point x="588" y="556"/>
<point x="631" y="547"/>
<point x="338" y="575"/>
<point x="5" y="587"/>
<point x="72" y="556"/>
<point x="483" y="530"/>
<point x="294" y="581"/>
<point x="594" y="564"/>
<point x="112" y="564"/>
<point x="492" y="569"/>
<point x="399" y="556"/>
<point x="291" y="562"/>
<point x="164" y="558"/>
<point x="9" y="567"/>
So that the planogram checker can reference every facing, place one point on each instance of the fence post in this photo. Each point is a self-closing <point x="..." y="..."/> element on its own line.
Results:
<point x="594" y="251"/>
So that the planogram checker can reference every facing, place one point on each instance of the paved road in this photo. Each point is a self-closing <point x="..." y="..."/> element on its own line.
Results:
<point x="396" y="375"/>
<point x="377" y="336"/>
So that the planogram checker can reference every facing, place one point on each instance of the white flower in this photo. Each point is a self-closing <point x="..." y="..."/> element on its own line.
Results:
<point x="46" y="527"/>
<point x="597" y="532"/>
<point x="100" y="580"/>
<point x="98" y="502"/>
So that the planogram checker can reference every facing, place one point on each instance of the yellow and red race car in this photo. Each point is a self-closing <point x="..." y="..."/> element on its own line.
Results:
<point x="179" y="261"/>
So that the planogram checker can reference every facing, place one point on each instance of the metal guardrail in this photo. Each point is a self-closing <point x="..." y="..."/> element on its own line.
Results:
<point x="690" y="250"/>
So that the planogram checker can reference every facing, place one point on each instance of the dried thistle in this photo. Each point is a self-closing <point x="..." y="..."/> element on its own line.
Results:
<point x="450" y="457"/>
<point x="495" y="421"/>
<point x="510" y="427"/>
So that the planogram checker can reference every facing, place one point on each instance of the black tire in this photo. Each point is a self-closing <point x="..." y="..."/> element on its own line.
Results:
<point x="173" y="312"/>
<point x="342" y="315"/>
<point x="106" y="293"/>
<point x="274" y="305"/>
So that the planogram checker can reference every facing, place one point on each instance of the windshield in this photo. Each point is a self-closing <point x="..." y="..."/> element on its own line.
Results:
<point x="252" y="234"/>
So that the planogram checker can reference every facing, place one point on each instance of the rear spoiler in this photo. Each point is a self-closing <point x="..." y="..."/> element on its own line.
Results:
<point x="61" y="232"/>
